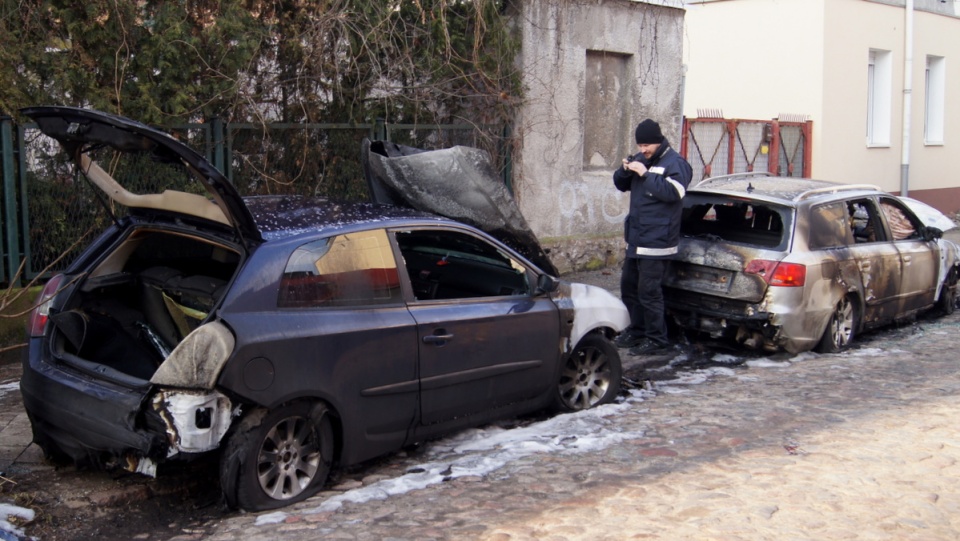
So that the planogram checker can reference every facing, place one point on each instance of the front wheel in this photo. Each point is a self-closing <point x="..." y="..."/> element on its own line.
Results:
<point x="277" y="457"/>
<point x="590" y="376"/>
<point x="840" y="329"/>
<point x="947" y="303"/>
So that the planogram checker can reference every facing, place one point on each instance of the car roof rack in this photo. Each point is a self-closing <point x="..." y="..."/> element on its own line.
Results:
<point x="745" y="174"/>
<point x="833" y="189"/>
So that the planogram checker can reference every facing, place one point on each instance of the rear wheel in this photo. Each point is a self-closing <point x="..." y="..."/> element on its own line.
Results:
<point x="277" y="457"/>
<point x="591" y="375"/>
<point x="840" y="329"/>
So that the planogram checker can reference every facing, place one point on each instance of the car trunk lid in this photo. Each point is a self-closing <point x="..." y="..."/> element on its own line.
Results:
<point x="709" y="268"/>
<point x="83" y="132"/>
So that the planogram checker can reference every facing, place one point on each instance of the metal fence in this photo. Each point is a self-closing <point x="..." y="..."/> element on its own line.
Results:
<point x="49" y="213"/>
<point x="718" y="146"/>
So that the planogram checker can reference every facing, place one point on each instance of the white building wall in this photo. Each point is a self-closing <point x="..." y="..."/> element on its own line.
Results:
<point x="754" y="59"/>
<point x="812" y="57"/>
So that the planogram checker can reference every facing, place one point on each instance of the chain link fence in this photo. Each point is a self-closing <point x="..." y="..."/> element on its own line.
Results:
<point x="52" y="212"/>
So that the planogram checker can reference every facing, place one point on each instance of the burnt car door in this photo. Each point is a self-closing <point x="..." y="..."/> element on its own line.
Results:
<point x="919" y="257"/>
<point x="485" y="340"/>
<point x="340" y="331"/>
<point x="877" y="259"/>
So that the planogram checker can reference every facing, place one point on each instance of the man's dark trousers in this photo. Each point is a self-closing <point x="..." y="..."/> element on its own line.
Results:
<point x="641" y="288"/>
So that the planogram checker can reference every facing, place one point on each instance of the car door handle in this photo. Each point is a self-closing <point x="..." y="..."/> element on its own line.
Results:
<point x="907" y="258"/>
<point x="864" y="265"/>
<point x="439" y="339"/>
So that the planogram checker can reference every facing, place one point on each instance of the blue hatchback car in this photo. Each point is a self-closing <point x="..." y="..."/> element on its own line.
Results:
<point x="290" y="335"/>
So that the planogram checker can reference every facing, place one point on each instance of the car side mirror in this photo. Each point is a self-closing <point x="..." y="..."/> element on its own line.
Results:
<point x="931" y="233"/>
<point x="547" y="284"/>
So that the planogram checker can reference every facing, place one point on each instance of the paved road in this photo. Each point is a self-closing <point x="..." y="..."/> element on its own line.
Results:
<point x="861" y="445"/>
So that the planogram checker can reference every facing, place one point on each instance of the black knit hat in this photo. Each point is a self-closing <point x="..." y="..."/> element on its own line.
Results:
<point x="648" y="133"/>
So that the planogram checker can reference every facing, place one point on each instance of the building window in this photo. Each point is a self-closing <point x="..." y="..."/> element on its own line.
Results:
<point x="935" y="81"/>
<point x="607" y="116"/>
<point x="879" y="99"/>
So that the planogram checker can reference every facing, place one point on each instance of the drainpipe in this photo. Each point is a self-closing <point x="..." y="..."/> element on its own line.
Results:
<point x="907" y="92"/>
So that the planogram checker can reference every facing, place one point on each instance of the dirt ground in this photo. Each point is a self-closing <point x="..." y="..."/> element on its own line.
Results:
<point x="73" y="505"/>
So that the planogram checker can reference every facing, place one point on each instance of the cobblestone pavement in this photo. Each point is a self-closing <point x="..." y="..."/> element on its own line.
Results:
<point x="861" y="445"/>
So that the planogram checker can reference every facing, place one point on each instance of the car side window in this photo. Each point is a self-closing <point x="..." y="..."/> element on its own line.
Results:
<point x="829" y="227"/>
<point x="865" y="222"/>
<point x="901" y="225"/>
<point x="445" y="264"/>
<point x="352" y="269"/>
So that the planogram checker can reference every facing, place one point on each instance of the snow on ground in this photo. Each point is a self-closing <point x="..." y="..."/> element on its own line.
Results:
<point x="7" y="530"/>
<point x="12" y="387"/>
<point x="480" y="451"/>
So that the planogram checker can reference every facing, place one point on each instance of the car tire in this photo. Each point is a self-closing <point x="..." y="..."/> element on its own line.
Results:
<point x="590" y="376"/>
<point x="947" y="303"/>
<point x="278" y="457"/>
<point x="841" y="327"/>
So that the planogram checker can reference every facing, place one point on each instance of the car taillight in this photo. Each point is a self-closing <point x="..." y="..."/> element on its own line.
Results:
<point x="38" y="318"/>
<point x="776" y="273"/>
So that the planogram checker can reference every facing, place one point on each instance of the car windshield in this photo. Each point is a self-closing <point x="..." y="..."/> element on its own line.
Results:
<point x="929" y="215"/>
<point x="738" y="221"/>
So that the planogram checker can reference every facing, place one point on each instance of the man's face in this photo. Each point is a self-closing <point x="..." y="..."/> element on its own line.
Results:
<point x="648" y="149"/>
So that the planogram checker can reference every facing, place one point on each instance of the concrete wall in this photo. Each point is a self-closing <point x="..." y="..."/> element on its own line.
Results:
<point x="592" y="70"/>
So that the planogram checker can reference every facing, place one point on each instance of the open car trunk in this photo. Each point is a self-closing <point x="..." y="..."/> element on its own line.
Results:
<point x="125" y="318"/>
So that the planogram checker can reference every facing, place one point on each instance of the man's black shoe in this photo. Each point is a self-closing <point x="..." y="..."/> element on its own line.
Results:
<point x="628" y="339"/>
<point x="650" y="347"/>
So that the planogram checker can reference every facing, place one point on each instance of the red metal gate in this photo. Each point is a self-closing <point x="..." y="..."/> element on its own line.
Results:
<point x="719" y="146"/>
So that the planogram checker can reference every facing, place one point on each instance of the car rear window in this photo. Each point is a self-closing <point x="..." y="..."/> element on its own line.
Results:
<point x="742" y="222"/>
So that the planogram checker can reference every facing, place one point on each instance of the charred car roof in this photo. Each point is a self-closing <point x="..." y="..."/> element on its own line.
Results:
<point x="283" y="216"/>
<point x="784" y="190"/>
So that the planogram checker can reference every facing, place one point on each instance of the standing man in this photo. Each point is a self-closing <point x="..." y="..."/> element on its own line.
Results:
<point x="657" y="178"/>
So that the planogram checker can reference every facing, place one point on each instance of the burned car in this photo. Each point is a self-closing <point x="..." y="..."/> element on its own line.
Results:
<point x="290" y="335"/>
<point x="797" y="264"/>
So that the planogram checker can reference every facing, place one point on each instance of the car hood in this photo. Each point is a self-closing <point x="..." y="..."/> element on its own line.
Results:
<point x="79" y="130"/>
<point x="459" y="183"/>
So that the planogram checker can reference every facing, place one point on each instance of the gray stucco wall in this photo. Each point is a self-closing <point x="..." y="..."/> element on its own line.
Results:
<point x="592" y="70"/>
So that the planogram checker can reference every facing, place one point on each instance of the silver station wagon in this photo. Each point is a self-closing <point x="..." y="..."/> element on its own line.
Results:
<point x="797" y="264"/>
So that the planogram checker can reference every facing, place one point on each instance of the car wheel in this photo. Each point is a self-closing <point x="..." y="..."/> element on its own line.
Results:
<point x="277" y="457"/>
<point x="840" y="329"/>
<point x="590" y="376"/>
<point x="947" y="303"/>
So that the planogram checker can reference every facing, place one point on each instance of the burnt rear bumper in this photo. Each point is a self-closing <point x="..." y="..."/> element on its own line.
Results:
<point x="92" y="422"/>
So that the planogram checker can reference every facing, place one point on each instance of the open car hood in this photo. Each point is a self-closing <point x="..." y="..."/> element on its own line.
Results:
<point x="79" y="130"/>
<point x="459" y="183"/>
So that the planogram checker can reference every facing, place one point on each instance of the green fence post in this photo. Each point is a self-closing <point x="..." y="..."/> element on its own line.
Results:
<point x="9" y="199"/>
<point x="380" y="130"/>
<point x="218" y="140"/>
